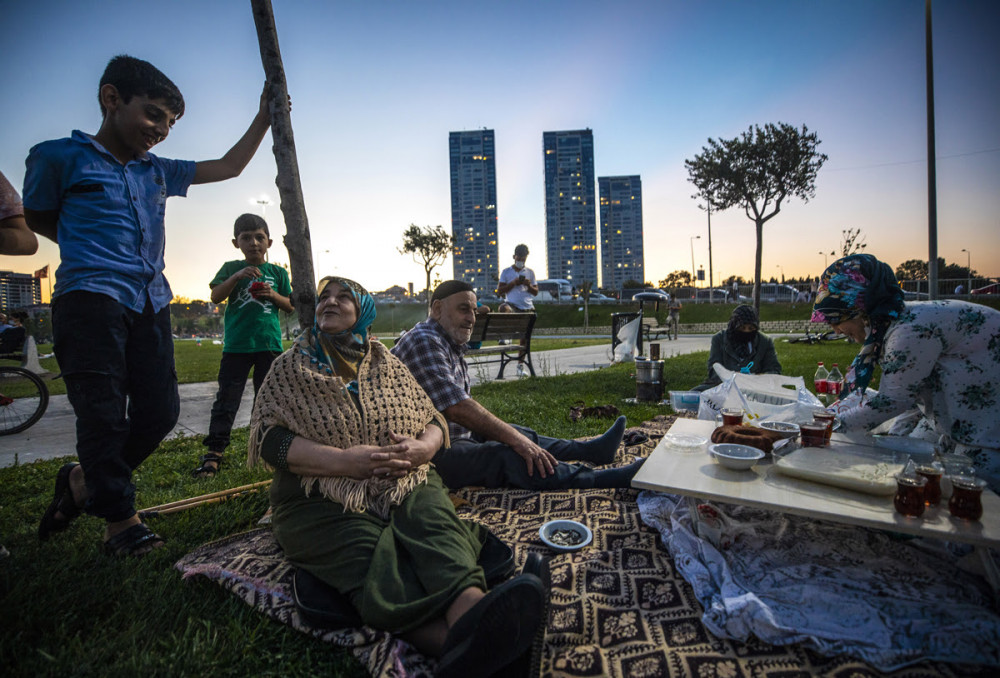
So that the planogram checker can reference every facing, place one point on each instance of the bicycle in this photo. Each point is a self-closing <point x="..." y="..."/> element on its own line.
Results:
<point x="811" y="338"/>
<point x="23" y="399"/>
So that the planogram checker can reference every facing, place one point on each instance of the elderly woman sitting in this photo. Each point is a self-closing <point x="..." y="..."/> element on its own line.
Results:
<point x="349" y="433"/>
<point x="940" y="357"/>
<point x="741" y="347"/>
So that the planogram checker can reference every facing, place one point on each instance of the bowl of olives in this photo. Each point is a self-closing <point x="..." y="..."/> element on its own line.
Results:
<point x="565" y="535"/>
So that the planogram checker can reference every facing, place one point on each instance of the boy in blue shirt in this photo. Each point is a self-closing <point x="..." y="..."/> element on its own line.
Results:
<point x="101" y="197"/>
<point x="253" y="291"/>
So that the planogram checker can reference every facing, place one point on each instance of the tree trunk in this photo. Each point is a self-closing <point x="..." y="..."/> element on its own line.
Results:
<point x="757" y="264"/>
<point x="297" y="239"/>
<point x="427" y="290"/>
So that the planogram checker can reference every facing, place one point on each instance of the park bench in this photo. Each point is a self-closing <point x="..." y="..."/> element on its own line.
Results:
<point x="493" y="327"/>
<point x="652" y="329"/>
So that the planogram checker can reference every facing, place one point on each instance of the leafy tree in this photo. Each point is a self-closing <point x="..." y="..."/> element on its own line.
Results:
<point x="429" y="248"/>
<point x="853" y="242"/>
<point x="632" y="283"/>
<point x="916" y="269"/>
<point x="912" y="269"/>
<point x="757" y="171"/>
<point x="675" y="280"/>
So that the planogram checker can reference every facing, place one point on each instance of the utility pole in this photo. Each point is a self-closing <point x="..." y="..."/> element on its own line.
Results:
<point x="932" y="255"/>
<point x="297" y="239"/>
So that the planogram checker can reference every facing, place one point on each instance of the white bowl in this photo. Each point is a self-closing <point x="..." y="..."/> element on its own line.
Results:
<point x="546" y="531"/>
<point x="782" y="428"/>
<point x="735" y="457"/>
<point x="685" y="441"/>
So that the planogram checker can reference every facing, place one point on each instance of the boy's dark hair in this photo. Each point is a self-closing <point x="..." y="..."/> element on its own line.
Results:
<point x="249" y="222"/>
<point x="135" y="77"/>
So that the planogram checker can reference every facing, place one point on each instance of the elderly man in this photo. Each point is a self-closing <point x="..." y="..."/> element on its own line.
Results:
<point x="485" y="450"/>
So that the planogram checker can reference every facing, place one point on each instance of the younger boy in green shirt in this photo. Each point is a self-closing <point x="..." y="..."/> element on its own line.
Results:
<point x="254" y="290"/>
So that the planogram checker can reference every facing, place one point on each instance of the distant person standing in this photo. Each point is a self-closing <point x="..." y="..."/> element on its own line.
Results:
<point x="519" y="287"/>
<point x="674" y="315"/>
<point x="253" y="290"/>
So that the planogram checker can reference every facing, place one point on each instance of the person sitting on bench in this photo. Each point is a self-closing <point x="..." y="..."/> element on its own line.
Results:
<point x="357" y="504"/>
<point x="12" y="339"/>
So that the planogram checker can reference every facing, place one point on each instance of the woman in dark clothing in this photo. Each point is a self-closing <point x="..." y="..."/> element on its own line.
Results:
<point x="741" y="347"/>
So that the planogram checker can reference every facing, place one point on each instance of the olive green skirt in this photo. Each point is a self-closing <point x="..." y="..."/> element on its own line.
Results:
<point x="399" y="574"/>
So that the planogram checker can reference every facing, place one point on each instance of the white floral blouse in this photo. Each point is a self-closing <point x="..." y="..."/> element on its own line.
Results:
<point x="944" y="358"/>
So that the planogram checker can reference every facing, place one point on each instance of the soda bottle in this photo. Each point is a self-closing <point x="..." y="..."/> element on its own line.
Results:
<point x="834" y="380"/>
<point x="819" y="381"/>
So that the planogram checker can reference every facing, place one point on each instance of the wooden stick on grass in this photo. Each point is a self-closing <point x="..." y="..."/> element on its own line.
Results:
<point x="201" y="500"/>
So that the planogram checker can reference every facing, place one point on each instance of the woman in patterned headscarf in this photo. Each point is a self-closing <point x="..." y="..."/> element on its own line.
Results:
<point x="741" y="347"/>
<point x="941" y="357"/>
<point x="350" y="435"/>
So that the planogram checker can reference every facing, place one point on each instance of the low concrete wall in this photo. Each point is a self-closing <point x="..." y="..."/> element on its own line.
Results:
<point x="768" y="327"/>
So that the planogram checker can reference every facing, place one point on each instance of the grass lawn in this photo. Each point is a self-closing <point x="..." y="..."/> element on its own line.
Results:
<point x="70" y="610"/>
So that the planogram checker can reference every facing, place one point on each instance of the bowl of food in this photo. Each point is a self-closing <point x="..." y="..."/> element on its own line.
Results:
<point x="782" y="428"/>
<point x="565" y="535"/>
<point x="735" y="457"/>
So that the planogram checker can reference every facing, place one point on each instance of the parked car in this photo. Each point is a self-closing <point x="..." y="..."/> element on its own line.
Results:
<point x="717" y="295"/>
<point x="992" y="288"/>
<point x="598" y="298"/>
<point x="776" y="292"/>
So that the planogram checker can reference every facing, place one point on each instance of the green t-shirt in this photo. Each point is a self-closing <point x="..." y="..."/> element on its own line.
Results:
<point x="252" y="324"/>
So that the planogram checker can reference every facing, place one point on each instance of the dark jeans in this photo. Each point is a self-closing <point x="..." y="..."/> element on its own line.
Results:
<point x="118" y="366"/>
<point x="233" y="372"/>
<point x="487" y="463"/>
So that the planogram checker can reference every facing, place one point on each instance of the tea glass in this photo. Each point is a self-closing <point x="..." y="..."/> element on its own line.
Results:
<point x="813" y="434"/>
<point x="966" y="500"/>
<point x="732" y="416"/>
<point x="909" y="499"/>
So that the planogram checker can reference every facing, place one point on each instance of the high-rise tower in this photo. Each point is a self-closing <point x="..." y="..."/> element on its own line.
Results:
<point x="570" y="206"/>
<point x="621" y="230"/>
<point x="474" y="208"/>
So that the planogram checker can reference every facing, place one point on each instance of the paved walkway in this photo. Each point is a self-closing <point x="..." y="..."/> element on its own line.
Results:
<point x="55" y="434"/>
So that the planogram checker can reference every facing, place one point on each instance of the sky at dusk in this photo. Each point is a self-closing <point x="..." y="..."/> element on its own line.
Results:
<point x="377" y="86"/>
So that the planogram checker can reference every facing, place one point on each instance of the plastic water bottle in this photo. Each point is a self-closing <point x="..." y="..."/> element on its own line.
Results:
<point x="834" y="381"/>
<point x="819" y="381"/>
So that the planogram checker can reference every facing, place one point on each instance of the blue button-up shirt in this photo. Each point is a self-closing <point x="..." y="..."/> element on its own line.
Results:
<point x="439" y="367"/>
<point x="110" y="225"/>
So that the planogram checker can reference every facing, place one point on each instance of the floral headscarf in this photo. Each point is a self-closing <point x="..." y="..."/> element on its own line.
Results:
<point x="860" y="285"/>
<point x="351" y="344"/>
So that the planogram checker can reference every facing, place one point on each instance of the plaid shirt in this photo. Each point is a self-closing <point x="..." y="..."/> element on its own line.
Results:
<point x="438" y="366"/>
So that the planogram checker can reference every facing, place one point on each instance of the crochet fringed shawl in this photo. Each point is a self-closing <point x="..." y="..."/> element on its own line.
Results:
<point x="301" y="396"/>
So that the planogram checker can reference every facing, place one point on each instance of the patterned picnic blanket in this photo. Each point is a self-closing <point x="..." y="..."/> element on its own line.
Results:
<point x="618" y="608"/>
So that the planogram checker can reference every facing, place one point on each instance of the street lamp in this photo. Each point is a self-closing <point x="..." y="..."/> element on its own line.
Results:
<point x="693" y="238"/>
<point x="968" y="271"/>
<point x="778" y="266"/>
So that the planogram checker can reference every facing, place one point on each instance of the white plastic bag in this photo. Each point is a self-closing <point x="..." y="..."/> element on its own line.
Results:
<point x="628" y="335"/>
<point x="761" y="396"/>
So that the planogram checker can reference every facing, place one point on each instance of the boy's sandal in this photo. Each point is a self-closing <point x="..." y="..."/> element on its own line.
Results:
<point x="206" y="471"/>
<point x="132" y="541"/>
<point x="62" y="502"/>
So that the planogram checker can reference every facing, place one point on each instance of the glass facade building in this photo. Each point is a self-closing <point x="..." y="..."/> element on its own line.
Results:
<point x="621" y="230"/>
<point x="18" y="290"/>
<point x="570" y="206"/>
<point x="474" y="209"/>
